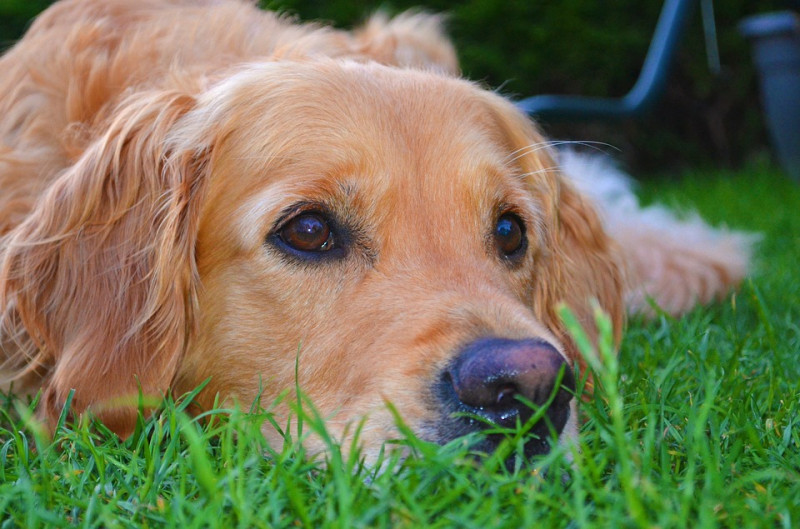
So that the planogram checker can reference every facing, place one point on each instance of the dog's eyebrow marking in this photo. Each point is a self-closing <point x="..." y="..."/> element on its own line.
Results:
<point x="261" y="205"/>
<point x="348" y="189"/>
<point x="272" y="201"/>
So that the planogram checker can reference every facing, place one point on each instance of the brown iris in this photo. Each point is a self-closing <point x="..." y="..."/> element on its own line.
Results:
<point x="509" y="234"/>
<point x="308" y="232"/>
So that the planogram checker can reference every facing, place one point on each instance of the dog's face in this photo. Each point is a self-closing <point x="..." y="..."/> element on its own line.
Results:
<point x="370" y="234"/>
<point x="381" y="229"/>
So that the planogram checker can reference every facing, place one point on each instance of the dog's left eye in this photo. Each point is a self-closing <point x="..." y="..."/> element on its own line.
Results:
<point x="509" y="234"/>
<point x="307" y="232"/>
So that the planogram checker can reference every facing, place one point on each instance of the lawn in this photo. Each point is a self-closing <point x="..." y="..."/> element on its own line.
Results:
<point x="696" y="425"/>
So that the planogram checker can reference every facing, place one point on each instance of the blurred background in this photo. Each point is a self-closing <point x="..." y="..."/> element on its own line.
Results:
<point x="587" y="48"/>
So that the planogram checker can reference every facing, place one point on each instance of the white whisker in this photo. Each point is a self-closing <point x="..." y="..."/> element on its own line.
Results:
<point x="534" y="147"/>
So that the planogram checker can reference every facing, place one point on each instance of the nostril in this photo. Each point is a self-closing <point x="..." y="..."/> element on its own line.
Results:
<point x="506" y="395"/>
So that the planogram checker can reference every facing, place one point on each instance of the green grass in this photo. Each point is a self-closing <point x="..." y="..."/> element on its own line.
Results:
<point x="696" y="425"/>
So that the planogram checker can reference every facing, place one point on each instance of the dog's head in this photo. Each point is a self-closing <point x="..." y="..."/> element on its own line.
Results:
<point x="401" y="236"/>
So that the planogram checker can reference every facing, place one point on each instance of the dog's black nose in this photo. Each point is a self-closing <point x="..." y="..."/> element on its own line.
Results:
<point x="491" y="373"/>
<point x="492" y="378"/>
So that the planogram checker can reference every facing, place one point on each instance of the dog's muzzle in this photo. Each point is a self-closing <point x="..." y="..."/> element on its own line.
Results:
<point x="496" y="381"/>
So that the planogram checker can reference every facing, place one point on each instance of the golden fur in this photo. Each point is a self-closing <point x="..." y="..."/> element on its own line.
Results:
<point x="147" y="149"/>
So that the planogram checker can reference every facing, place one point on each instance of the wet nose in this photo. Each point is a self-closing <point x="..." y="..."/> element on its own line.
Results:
<point x="493" y="377"/>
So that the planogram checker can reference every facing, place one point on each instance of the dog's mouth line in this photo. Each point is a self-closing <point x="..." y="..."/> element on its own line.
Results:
<point x="536" y="434"/>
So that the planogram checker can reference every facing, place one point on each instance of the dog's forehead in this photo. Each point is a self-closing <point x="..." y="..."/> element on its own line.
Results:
<point x="338" y="110"/>
<point x="399" y="141"/>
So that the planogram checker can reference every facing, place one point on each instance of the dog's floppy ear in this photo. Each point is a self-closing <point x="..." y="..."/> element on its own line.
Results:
<point x="585" y="264"/>
<point x="411" y="40"/>
<point x="100" y="279"/>
<point x="579" y="262"/>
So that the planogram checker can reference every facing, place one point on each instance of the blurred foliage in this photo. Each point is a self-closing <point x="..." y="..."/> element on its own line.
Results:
<point x="15" y="15"/>
<point x="581" y="47"/>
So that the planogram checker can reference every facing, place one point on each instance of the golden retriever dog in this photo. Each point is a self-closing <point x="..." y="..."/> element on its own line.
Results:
<point x="197" y="190"/>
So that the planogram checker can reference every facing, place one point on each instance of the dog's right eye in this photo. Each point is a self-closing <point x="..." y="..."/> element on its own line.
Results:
<point x="307" y="232"/>
<point x="509" y="235"/>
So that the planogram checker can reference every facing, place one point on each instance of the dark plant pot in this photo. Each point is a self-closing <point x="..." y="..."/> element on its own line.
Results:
<point x="776" y="51"/>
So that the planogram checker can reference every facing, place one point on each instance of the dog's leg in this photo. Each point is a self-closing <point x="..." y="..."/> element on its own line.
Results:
<point x="680" y="263"/>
